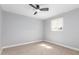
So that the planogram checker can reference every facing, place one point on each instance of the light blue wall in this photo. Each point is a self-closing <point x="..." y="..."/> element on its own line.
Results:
<point x="0" y="26"/>
<point x="70" y="34"/>
<point x="20" y="29"/>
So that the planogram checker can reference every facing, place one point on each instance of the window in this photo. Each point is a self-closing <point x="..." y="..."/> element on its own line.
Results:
<point x="57" y="24"/>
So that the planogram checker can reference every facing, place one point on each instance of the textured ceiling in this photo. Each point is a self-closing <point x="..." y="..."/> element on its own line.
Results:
<point x="25" y="9"/>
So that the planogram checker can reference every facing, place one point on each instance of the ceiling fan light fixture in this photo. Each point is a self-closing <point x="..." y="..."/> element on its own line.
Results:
<point x="37" y="10"/>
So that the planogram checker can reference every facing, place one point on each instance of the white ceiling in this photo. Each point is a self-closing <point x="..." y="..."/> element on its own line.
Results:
<point x="54" y="9"/>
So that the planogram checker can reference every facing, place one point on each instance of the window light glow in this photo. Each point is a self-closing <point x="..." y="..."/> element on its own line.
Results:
<point x="57" y="24"/>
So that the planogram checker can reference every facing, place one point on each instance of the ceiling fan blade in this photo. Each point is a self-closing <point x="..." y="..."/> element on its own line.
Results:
<point x="35" y="13"/>
<point x="44" y="9"/>
<point x="38" y="7"/>
<point x="32" y="6"/>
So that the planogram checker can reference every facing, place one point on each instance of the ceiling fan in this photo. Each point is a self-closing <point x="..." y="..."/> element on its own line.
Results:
<point x="37" y="8"/>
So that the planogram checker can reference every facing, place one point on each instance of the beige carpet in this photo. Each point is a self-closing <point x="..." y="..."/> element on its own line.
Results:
<point x="40" y="48"/>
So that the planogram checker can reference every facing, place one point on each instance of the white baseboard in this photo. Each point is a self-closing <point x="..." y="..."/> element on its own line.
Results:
<point x="76" y="49"/>
<point x="20" y="44"/>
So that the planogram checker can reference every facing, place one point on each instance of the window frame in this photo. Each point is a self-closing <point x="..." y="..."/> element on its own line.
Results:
<point x="53" y="26"/>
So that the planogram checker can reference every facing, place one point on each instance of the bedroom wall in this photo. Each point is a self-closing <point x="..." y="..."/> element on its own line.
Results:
<point x="19" y="29"/>
<point x="0" y="27"/>
<point x="70" y="34"/>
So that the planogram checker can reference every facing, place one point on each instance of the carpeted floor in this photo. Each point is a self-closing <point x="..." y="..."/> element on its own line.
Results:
<point x="40" y="48"/>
